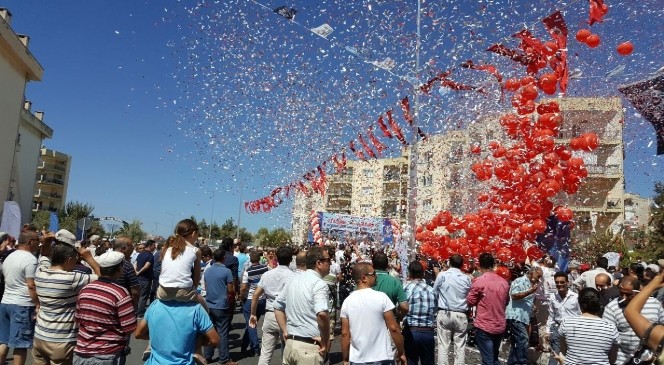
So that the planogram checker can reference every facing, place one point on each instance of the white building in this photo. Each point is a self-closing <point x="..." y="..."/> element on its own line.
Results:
<point x="21" y="131"/>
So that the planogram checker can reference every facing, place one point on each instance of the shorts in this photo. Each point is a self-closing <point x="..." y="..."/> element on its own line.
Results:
<point x="17" y="325"/>
<point x="176" y="294"/>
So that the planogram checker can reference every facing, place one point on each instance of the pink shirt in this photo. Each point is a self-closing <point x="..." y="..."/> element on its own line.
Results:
<point x="490" y="293"/>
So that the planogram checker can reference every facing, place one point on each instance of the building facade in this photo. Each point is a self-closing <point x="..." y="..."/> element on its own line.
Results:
<point x="379" y="188"/>
<point x="50" y="191"/>
<point x="21" y="131"/>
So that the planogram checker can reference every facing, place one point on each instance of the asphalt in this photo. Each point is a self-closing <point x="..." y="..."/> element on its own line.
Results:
<point x="138" y="346"/>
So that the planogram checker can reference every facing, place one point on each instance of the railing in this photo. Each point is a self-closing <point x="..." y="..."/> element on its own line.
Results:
<point x="604" y="137"/>
<point x="52" y="181"/>
<point x="604" y="170"/>
<point x="614" y="203"/>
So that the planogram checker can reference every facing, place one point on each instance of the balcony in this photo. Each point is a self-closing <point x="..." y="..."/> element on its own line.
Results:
<point x="607" y="170"/>
<point x="605" y="137"/>
<point x="610" y="205"/>
<point x="39" y="193"/>
<point x="50" y="181"/>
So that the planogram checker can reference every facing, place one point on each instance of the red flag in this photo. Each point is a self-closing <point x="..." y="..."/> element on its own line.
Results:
<point x="359" y="154"/>
<point x="597" y="11"/>
<point x="377" y="144"/>
<point x="364" y="144"/>
<point x="555" y="24"/>
<point x="395" y="128"/>
<point x="383" y="127"/>
<point x="405" y="106"/>
<point x="488" y="68"/>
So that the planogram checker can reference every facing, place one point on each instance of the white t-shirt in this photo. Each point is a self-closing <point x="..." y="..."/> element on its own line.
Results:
<point x="370" y="338"/>
<point x="177" y="273"/>
<point x="18" y="266"/>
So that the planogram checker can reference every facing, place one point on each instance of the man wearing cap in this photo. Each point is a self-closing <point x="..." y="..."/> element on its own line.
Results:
<point x="57" y="288"/>
<point x="94" y="242"/>
<point x="105" y="315"/>
<point x="19" y="301"/>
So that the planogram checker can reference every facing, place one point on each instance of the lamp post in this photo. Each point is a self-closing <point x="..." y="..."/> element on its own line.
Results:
<point x="173" y="215"/>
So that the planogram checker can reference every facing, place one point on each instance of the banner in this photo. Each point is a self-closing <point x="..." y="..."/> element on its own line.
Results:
<point x="11" y="219"/>
<point x="351" y="223"/>
<point x="54" y="223"/>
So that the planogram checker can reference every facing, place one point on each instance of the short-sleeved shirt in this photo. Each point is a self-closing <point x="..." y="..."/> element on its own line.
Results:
<point x="391" y="286"/>
<point x="16" y="268"/>
<point x="242" y="259"/>
<point x="490" y="293"/>
<point x="106" y="317"/>
<point x="128" y="279"/>
<point x="304" y="297"/>
<point x="57" y="291"/>
<point x="173" y="328"/>
<point x="273" y="283"/>
<point x="629" y="341"/>
<point x="588" y="339"/>
<point x="519" y="310"/>
<point x="370" y="340"/>
<point x="232" y="263"/>
<point x="142" y="259"/>
<point x="217" y="277"/>
<point x="452" y="287"/>
<point x="251" y="276"/>
<point x="176" y="272"/>
<point x="421" y="304"/>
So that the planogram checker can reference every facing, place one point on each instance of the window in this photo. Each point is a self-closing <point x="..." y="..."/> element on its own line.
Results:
<point x="456" y="153"/>
<point x="365" y="208"/>
<point x="427" y="204"/>
<point x="368" y="173"/>
<point x="367" y="190"/>
<point x="426" y="180"/>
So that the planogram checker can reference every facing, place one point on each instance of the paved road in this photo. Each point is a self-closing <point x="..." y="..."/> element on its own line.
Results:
<point x="138" y="346"/>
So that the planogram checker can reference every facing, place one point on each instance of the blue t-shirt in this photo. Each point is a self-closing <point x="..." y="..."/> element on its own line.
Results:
<point x="217" y="278"/>
<point x="173" y="328"/>
<point x="143" y="258"/>
<point x="242" y="258"/>
<point x="232" y="263"/>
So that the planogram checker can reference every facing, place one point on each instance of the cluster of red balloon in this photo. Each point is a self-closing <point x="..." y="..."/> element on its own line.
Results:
<point x="524" y="176"/>
<point x="585" y="36"/>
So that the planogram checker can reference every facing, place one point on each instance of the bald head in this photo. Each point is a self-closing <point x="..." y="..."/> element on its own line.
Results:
<point x="602" y="281"/>
<point x="301" y="260"/>
<point x="124" y="245"/>
<point x="630" y="282"/>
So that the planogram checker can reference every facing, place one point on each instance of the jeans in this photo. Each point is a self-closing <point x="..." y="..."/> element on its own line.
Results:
<point x="146" y="288"/>
<point x="452" y="327"/>
<point x="489" y="346"/>
<point x="519" y="343"/>
<point x="419" y="345"/>
<point x="222" y="323"/>
<point x="250" y="337"/>
<point x="554" y="342"/>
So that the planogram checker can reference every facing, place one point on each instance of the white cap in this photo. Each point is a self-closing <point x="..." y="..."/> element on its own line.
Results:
<point x="110" y="259"/>
<point x="94" y="238"/>
<point x="65" y="236"/>
<point x="654" y="268"/>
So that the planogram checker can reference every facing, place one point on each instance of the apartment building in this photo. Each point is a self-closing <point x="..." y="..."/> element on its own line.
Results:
<point x="379" y="188"/>
<point x="50" y="191"/>
<point x="21" y="130"/>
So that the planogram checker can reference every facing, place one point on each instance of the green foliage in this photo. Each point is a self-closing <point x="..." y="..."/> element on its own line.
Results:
<point x="217" y="232"/>
<point x="133" y="230"/>
<point x="656" y="223"/>
<point x="599" y="244"/>
<point x="69" y="217"/>
<point x="273" y="238"/>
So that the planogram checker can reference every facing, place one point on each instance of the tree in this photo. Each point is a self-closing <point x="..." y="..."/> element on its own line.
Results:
<point x="133" y="230"/>
<point x="599" y="244"/>
<point x="656" y="223"/>
<point x="69" y="217"/>
<point x="274" y="238"/>
<point x="229" y="229"/>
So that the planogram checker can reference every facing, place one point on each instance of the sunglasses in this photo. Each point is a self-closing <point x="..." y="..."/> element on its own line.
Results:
<point x="371" y="274"/>
<point x="327" y="259"/>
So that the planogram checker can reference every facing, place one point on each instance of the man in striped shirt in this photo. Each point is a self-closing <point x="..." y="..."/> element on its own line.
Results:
<point x="250" y="278"/>
<point x="613" y="313"/>
<point x="418" y="331"/>
<point x="105" y="315"/>
<point x="57" y="288"/>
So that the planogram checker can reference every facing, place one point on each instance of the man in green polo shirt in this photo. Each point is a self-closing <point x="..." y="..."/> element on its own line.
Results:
<point x="389" y="285"/>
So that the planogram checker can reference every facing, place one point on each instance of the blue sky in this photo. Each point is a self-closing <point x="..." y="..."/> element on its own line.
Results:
<point x="164" y="105"/>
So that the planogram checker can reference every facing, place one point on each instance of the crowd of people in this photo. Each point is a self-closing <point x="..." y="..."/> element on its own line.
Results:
<point x="72" y="302"/>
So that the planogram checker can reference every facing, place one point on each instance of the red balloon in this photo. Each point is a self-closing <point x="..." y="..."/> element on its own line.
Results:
<point x="512" y="84"/>
<point x="575" y="144"/>
<point x="551" y="107"/>
<point x="534" y="253"/>
<point x="504" y="272"/>
<point x="539" y="226"/>
<point x="564" y="214"/>
<point x="593" y="41"/>
<point x="625" y="48"/>
<point x="529" y="92"/>
<point x="476" y="149"/>
<point x="582" y="35"/>
<point x="590" y="141"/>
